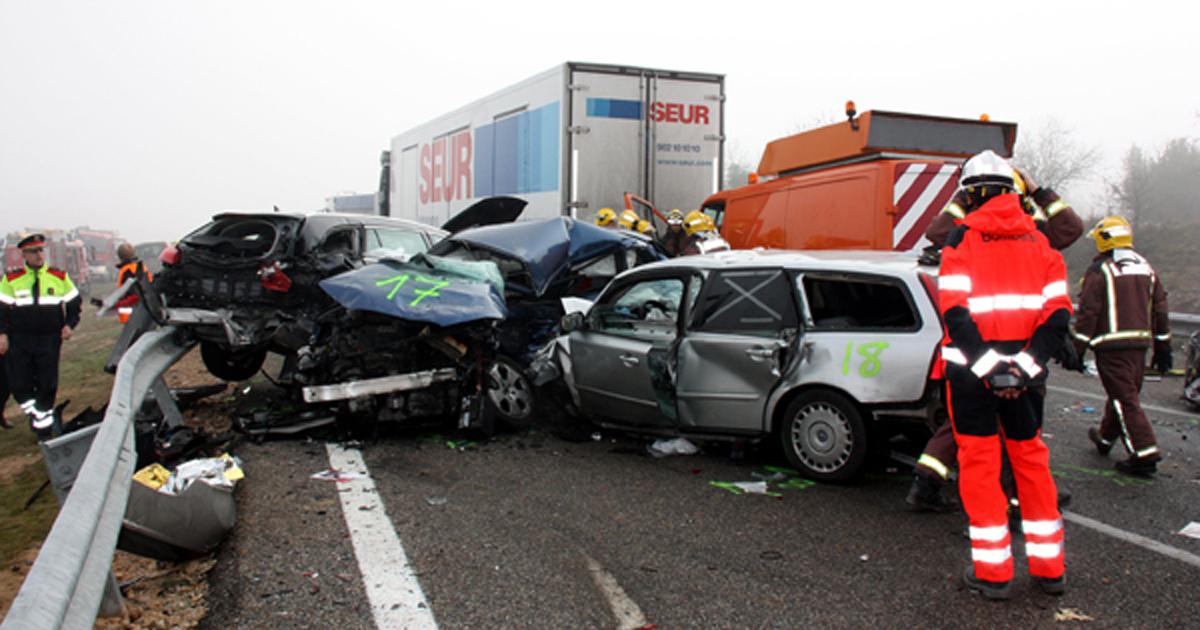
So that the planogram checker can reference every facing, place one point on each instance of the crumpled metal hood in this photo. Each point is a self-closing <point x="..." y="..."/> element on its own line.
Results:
<point x="549" y="247"/>
<point x="422" y="290"/>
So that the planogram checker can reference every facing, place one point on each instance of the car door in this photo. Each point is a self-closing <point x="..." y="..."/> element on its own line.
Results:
<point x="611" y="355"/>
<point x="740" y="335"/>
<point x="867" y="335"/>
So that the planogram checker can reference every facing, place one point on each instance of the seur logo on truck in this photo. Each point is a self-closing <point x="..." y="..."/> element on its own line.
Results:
<point x="446" y="168"/>
<point x="683" y="113"/>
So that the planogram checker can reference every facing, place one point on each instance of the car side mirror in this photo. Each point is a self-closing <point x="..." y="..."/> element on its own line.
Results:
<point x="572" y="322"/>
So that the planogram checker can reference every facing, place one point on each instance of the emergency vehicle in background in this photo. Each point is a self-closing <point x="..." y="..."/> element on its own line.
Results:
<point x="569" y="141"/>
<point x="101" y="250"/>
<point x="62" y="252"/>
<point x="874" y="181"/>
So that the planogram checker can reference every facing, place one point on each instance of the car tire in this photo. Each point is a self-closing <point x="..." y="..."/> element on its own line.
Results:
<point x="510" y="394"/>
<point x="229" y="365"/>
<point x="823" y="436"/>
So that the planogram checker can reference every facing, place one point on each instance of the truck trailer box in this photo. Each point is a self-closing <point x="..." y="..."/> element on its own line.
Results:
<point x="569" y="141"/>
<point x="874" y="181"/>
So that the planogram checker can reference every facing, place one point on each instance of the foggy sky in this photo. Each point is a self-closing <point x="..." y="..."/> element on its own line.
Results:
<point x="148" y="116"/>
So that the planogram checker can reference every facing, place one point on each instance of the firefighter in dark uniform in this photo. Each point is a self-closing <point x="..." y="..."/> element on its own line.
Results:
<point x="39" y="306"/>
<point x="128" y="269"/>
<point x="1115" y="323"/>
<point x="1002" y="292"/>
<point x="1061" y="225"/>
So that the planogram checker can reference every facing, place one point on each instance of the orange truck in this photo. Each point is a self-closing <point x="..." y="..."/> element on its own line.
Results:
<point x="874" y="181"/>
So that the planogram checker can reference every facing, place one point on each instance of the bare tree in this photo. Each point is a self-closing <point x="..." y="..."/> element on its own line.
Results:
<point x="1160" y="189"/>
<point x="738" y="165"/>
<point x="1053" y="156"/>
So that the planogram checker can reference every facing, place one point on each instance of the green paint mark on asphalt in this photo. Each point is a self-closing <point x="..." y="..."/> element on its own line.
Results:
<point x="1081" y="472"/>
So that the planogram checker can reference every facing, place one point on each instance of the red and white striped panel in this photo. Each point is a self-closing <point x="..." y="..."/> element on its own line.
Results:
<point x="921" y="190"/>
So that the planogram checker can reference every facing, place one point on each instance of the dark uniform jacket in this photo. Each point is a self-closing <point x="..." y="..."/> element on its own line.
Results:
<point x="1053" y="217"/>
<point x="1122" y="304"/>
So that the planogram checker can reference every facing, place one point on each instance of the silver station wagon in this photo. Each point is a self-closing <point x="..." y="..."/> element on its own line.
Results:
<point x="827" y="352"/>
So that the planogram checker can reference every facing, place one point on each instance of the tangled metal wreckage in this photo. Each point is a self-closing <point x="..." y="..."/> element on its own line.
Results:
<point x="381" y="318"/>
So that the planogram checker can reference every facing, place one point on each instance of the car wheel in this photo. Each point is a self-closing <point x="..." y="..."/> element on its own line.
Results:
<point x="231" y="365"/>
<point x="510" y="393"/>
<point x="823" y="435"/>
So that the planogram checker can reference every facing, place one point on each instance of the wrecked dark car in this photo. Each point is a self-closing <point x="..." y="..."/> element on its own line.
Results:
<point x="246" y="283"/>
<point x="542" y="262"/>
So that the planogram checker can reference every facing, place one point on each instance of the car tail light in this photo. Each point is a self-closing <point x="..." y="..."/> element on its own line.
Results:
<point x="937" y="367"/>
<point x="170" y="255"/>
<point x="273" y="278"/>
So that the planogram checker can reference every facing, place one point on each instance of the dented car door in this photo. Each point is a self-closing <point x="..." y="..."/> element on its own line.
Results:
<point x="611" y="354"/>
<point x="741" y="336"/>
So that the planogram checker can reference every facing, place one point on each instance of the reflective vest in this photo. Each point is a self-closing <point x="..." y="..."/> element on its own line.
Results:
<point x="39" y="301"/>
<point x="124" y="272"/>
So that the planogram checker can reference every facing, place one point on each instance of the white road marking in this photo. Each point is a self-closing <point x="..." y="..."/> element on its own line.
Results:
<point x="1132" y="538"/>
<point x="1154" y="408"/>
<point x="628" y="615"/>
<point x="396" y="598"/>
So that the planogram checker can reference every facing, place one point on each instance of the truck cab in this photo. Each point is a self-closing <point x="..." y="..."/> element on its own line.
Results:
<point x="872" y="182"/>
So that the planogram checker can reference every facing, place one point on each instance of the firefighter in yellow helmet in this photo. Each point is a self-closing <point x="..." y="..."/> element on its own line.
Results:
<point x="702" y="235"/>
<point x="1114" y="322"/>
<point x="629" y="219"/>
<point x="675" y="240"/>
<point x="606" y="217"/>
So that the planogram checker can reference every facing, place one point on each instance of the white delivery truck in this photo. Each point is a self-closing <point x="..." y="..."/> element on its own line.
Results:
<point x="568" y="141"/>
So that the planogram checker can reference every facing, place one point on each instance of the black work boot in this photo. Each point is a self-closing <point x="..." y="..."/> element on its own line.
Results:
<point x="926" y="495"/>
<point x="990" y="590"/>
<point x="1102" y="447"/>
<point x="1139" y="466"/>
<point x="1052" y="586"/>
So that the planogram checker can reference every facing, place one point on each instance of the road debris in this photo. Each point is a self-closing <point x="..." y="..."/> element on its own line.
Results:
<point x="1191" y="531"/>
<point x="1071" y="614"/>
<point x="745" y="487"/>
<point x="674" y="446"/>
<point x="333" y="474"/>
<point x="435" y="500"/>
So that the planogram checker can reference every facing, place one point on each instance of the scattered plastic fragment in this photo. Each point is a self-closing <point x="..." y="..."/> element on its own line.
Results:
<point x="745" y="487"/>
<point x="1192" y="530"/>
<point x="459" y="445"/>
<point x="796" y="483"/>
<point x="596" y="437"/>
<point x="223" y="471"/>
<point x="1071" y="614"/>
<point x="864" y="558"/>
<point x="333" y="474"/>
<point x="435" y="500"/>
<point x="674" y="446"/>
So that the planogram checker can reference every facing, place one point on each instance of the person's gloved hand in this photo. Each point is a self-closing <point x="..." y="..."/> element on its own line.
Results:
<point x="1007" y="383"/>
<point x="1162" y="360"/>
<point x="1069" y="357"/>
<point x="931" y="255"/>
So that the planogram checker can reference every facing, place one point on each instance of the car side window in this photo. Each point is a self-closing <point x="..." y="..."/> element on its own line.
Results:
<point x="648" y="309"/>
<point x="340" y="241"/>
<point x="858" y="303"/>
<point x="746" y="302"/>
<point x="393" y="240"/>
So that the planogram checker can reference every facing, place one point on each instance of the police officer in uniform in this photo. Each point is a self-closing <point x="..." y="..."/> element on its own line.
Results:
<point x="39" y="306"/>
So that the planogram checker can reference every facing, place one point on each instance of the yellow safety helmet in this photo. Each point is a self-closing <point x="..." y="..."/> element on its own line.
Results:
<point x="696" y="222"/>
<point x="1112" y="233"/>
<point x="675" y="217"/>
<point x="644" y="227"/>
<point x="605" y="216"/>
<point x="629" y="219"/>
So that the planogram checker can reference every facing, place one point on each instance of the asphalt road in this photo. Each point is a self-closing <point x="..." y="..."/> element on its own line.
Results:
<point x="532" y="531"/>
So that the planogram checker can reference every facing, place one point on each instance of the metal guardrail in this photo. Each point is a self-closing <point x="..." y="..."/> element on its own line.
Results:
<point x="67" y="582"/>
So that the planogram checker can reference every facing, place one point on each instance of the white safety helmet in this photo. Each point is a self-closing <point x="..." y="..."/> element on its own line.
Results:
<point x="988" y="169"/>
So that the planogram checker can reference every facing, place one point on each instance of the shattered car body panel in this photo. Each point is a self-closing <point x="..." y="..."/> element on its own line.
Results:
<point x="809" y="347"/>
<point x="542" y="262"/>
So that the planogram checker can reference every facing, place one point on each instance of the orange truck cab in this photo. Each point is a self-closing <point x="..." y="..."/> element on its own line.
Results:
<point x="874" y="181"/>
